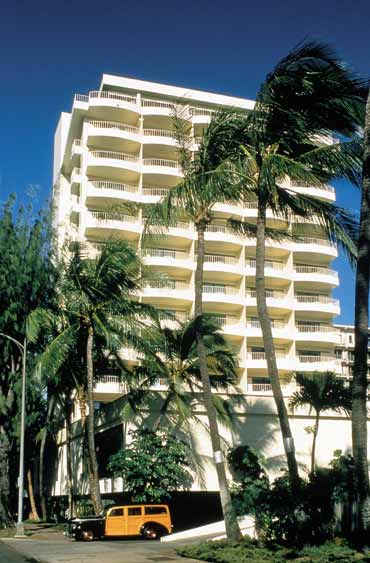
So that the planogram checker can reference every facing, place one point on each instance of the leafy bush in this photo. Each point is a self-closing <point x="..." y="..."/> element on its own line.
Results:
<point x="152" y="466"/>
<point x="249" y="551"/>
<point x="305" y="516"/>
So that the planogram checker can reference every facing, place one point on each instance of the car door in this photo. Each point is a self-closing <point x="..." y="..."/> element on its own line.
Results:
<point x="115" y="522"/>
<point x="134" y="520"/>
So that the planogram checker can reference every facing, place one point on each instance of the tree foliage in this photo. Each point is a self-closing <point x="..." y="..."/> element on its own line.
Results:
<point x="153" y="466"/>
<point x="27" y="276"/>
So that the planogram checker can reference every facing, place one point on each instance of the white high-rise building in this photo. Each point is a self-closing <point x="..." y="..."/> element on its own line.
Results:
<point x="117" y="146"/>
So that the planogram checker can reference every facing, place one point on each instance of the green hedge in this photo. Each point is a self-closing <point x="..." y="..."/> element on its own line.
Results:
<point x="248" y="551"/>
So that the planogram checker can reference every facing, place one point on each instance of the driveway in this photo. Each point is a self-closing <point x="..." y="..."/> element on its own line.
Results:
<point x="59" y="549"/>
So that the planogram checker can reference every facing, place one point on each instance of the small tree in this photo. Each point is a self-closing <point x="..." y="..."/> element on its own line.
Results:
<point x="320" y="392"/>
<point x="152" y="466"/>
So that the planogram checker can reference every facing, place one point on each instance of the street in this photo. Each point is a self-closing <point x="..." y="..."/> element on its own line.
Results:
<point x="61" y="549"/>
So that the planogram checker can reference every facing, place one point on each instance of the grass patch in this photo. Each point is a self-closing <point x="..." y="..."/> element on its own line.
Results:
<point x="249" y="551"/>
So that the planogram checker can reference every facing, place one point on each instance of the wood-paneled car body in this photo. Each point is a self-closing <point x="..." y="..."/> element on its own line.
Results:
<point x="151" y="521"/>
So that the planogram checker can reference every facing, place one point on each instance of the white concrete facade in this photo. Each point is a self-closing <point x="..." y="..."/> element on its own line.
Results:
<point x="117" y="146"/>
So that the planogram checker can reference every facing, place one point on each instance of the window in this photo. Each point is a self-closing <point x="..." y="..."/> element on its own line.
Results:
<point x="350" y="339"/>
<point x="155" y="510"/>
<point x="134" y="511"/>
<point x="116" y="512"/>
<point x="338" y="354"/>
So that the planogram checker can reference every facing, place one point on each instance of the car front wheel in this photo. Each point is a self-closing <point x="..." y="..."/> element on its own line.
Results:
<point x="87" y="535"/>
<point x="151" y="533"/>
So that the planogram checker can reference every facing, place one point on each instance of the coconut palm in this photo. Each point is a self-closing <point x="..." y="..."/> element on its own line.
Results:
<point x="286" y="140"/>
<point x="171" y="358"/>
<point x="360" y="373"/>
<point x="207" y="180"/>
<point x="320" y="391"/>
<point x="98" y="311"/>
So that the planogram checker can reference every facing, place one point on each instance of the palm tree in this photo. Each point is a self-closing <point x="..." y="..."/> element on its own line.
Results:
<point x="207" y="180"/>
<point x="97" y="311"/>
<point x="320" y="392"/>
<point x="360" y="373"/>
<point x="171" y="357"/>
<point x="309" y="96"/>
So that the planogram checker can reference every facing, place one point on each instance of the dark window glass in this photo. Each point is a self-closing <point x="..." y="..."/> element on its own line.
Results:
<point x="116" y="512"/>
<point x="134" y="511"/>
<point x="155" y="510"/>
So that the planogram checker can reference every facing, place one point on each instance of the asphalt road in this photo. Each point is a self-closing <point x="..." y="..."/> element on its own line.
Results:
<point x="65" y="550"/>
<point x="9" y="555"/>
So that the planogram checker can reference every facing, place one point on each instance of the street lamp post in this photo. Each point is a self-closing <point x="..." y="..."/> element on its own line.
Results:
<point x="23" y="348"/>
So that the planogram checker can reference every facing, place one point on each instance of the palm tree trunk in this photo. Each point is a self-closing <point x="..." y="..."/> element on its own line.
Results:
<point x="359" y="389"/>
<point x="270" y="349"/>
<point x="31" y="495"/>
<point x="69" y="458"/>
<point x="231" y="524"/>
<point x="315" y="432"/>
<point x="44" y="511"/>
<point x="93" y="473"/>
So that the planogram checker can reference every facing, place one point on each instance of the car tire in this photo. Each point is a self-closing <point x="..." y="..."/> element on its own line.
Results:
<point x="151" y="532"/>
<point x="87" y="535"/>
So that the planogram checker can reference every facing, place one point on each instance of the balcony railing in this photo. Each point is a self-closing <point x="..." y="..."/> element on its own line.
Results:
<point x="162" y="162"/>
<point x="113" y="216"/>
<point x="201" y="111"/>
<point x="311" y="359"/>
<point x="269" y="293"/>
<point x="168" y="284"/>
<point x="159" y="133"/>
<point x="316" y="328"/>
<point x="303" y="269"/>
<point x="117" y="186"/>
<point x="224" y="320"/>
<point x="301" y="184"/>
<point x="315" y="240"/>
<point x="219" y="229"/>
<point x="114" y="155"/>
<point x="155" y="191"/>
<point x="255" y="323"/>
<point x="262" y="355"/>
<point x="326" y="300"/>
<point x="220" y="289"/>
<point x="114" y="125"/>
<point x="145" y="102"/>
<point x="166" y="253"/>
<point x="269" y="265"/>
<point x="180" y="316"/>
<point x="113" y="96"/>
<point x="261" y="387"/>
<point x="220" y="259"/>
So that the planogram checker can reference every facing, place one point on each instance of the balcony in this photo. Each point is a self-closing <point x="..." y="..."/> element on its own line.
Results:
<point x="222" y="263"/>
<point x="76" y="149"/>
<point x="156" y="107"/>
<point x="275" y="299"/>
<point x="324" y="192"/>
<point x="279" y="329"/>
<point x="164" y="290"/>
<point x="152" y="194"/>
<point x="317" y="274"/>
<point x="229" y="324"/>
<point x="317" y="333"/>
<point x="115" y="165"/>
<point x="257" y="360"/>
<point x="273" y="269"/>
<point x="168" y="170"/>
<point x="114" y="135"/>
<point x="159" y="136"/>
<point x="200" y="115"/>
<point x="106" y="223"/>
<point x="220" y="293"/>
<point x="168" y="258"/>
<point x="315" y="245"/>
<point x="76" y="177"/>
<point x="318" y="303"/>
<point x="112" y="104"/>
<point x="108" y="388"/>
<point x="319" y="362"/>
<point x="221" y="233"/>
<point x="99" y="190"/>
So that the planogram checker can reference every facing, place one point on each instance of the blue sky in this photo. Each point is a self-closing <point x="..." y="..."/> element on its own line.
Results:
<point x="51" y="49"/>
